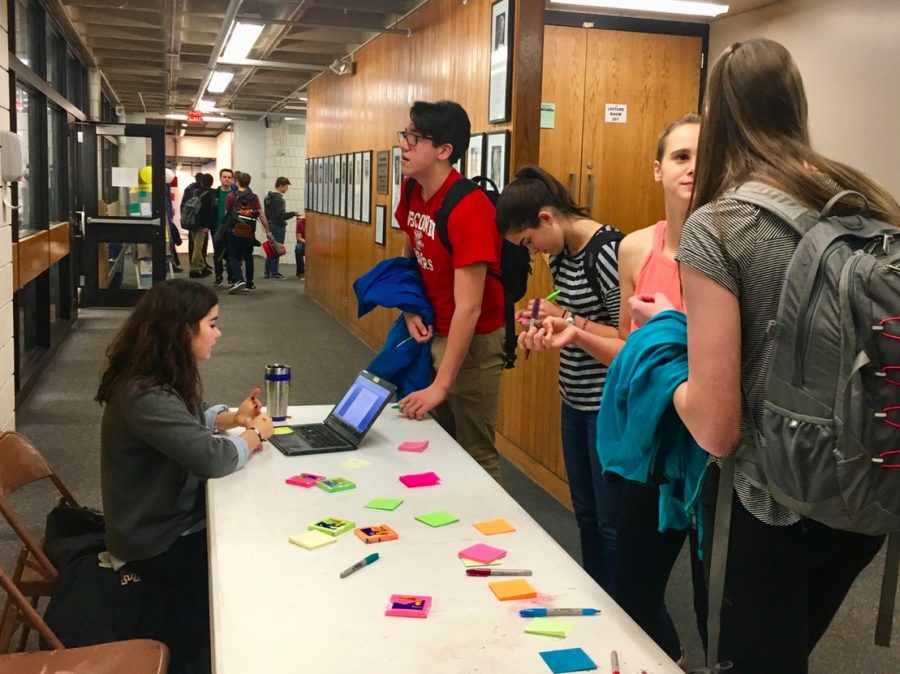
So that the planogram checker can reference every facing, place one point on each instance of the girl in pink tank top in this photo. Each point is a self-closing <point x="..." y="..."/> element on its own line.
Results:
<point x="659" y="273"/>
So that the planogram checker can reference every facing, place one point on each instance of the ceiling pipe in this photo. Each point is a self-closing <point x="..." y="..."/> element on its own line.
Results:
<point x="313" y="24"/>
<point x="272" y="65"/>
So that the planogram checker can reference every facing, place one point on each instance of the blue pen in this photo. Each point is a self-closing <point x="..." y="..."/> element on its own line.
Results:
<point x="545" y="612"/>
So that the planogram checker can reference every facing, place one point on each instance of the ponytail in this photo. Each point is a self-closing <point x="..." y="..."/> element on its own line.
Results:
<point x="532" y="190"/>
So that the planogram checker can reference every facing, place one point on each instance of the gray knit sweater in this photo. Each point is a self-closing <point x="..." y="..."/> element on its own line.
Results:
<point x="155" y="456"/>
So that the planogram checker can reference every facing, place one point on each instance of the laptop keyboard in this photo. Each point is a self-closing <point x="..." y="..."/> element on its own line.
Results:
<point x="320" y="435"/>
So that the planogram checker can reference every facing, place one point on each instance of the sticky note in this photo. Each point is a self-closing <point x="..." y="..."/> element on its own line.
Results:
<point x="304" y="479"/>
<point x="482" y="553"/>
<point x="413" y="446"/>
<point x="283" y="430"/>
<point x="420" y="479"/>
<point x="355" y="463"/>
<point x="469" y="563"/>
<point x="438" y="518"/>
<point x="311" y="539"/>
<point x="409" y="606"/>
<point x="336" y="484"/>
<point x="512" y="589"/>
<point x="492" y="527"/>
<point x="567" y="660"/>
<point x="376" y="533"/>
<point x="384" y="503"/>
<point x="332" y="526"/>
<point x="549" y="627"/>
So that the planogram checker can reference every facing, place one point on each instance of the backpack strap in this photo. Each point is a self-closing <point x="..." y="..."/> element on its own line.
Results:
<point x="592" y="252"/>
<point x="885" y="620"/>
<point x="718" y="559"/>
<point x="456" y="193"/>
<point x="776" y="202"/>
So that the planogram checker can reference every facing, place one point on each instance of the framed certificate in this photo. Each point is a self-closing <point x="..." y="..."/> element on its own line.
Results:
<point x="500" y="87"/>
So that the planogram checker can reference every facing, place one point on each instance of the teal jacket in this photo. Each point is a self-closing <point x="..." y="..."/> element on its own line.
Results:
<point x="639" y="434"/>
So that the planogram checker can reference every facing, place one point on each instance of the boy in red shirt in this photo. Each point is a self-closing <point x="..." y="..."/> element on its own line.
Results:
<point x="464" y="287"/>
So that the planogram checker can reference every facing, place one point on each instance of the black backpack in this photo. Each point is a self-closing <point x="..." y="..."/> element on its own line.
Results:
<point x="190" y="209"/>
<point x="589" y="261"/>
<point x="515" y="261"/>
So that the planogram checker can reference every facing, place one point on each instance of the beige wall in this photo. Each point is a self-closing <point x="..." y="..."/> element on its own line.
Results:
<point x="7" y="387"/>
<point x="849" y="56"/>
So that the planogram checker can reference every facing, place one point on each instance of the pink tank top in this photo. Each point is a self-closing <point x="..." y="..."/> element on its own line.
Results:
<point x="659" y="274"/>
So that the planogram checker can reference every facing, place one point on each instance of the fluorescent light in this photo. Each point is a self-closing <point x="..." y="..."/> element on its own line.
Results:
<point x="242" y="39"/>
<point x="206" y="105"/>
<point x="662" y="6"/>
<point x="303" y="97"/>
<point x="219" y="82"/>
<point x="176" y="115"/>
<point x="214" y="118"/>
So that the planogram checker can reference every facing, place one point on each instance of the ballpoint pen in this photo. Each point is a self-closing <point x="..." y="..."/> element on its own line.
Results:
<point x="614" y="658"/>
<point x="535" y="308"/>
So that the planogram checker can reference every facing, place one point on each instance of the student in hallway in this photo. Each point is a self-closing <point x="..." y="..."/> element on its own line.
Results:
<point x="220" y="233"/>
<point x="536" y="211"/>
<point x="204" y="223"/>
<point x="786" y="575"/>
<point x="278" y="217"/>
<point x="646" y="265"/>
<point x="242" y="210"/>
<point x="159" y="444"/>
<point x="463" y="287"/>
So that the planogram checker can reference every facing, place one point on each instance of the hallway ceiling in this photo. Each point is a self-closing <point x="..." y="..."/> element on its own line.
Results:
<point x="157" y="55"/>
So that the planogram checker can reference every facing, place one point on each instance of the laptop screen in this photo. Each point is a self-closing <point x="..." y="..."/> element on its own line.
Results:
<point x="362" y="403"/>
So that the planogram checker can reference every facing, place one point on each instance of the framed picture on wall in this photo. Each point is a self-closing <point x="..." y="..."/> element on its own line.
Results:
<point x="357" y="185"/>
<point x="320" y="185"/>
<point x="306" y="184"/>
<point x="341" y="186"/>
<point x="396" y="182"/>
<point x="328" y="193"/>
<point x="380" y="218"/>
<point x="496" y="158"/>
<point x="367" y="186"/>
<point x="500" y="87"/>
<point x="475" y="156"/>
<point x="335" y="184"/>
<point x="460" y="164"/>
<point x="316" y="184"/>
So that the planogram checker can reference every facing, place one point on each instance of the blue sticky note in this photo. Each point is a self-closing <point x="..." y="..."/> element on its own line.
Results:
<point x="567" y="660"/>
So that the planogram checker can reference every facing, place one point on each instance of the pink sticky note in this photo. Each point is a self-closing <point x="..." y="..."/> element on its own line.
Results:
<point x="420" y="479"/>
<point x="412" y="446"/>
<point x="483" y="553"/>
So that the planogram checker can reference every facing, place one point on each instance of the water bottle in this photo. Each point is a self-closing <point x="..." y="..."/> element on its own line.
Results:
<point x="278" y="387"/>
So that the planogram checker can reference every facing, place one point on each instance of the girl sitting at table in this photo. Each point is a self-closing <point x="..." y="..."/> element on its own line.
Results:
<point x="159" y="444"/>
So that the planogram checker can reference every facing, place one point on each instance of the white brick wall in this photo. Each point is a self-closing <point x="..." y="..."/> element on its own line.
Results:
<point x="286" y="156"/>
<point x="7" y="346"/>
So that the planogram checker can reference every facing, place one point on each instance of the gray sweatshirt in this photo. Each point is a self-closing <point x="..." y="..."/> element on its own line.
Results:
<point x="155" y="457"/>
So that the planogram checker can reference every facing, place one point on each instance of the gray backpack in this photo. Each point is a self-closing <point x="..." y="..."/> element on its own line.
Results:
<point x="831" y="423"/>
<point x="829" y="448"/>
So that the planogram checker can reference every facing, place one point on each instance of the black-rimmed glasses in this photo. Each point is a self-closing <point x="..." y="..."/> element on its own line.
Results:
<point x="411" y="137"/>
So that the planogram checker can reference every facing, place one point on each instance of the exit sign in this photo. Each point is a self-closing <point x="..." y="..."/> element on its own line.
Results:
<point x="195" y="116"/>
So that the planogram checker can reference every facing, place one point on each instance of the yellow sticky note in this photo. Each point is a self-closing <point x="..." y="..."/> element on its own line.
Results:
<point x="283" y="430"/>
<point x="497" y="526"/>
<point x="311" y="539"/>
<point x="469" y="563"/>
<point x="549" y="627"/>
<point x="513" y="589"/>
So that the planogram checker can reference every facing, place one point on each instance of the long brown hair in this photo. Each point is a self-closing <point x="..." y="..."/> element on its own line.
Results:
<point x="153" y="348"/>
<point x="532" y="190"/>
<point x="755" y="127"/>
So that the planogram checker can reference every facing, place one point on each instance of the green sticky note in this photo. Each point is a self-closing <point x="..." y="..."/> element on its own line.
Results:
<point x="549" y="627"/>
<point x="283" y="430"/>
<point x="438" y="518"/>
<point x="384" y="503"/>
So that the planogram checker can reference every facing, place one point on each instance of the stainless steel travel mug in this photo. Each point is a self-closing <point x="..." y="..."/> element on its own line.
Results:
<point x="278" y="388"/>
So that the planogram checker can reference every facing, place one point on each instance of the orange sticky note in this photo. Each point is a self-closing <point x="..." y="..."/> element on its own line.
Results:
<point x="497" y="526"/>
<point x="513" y="589"/>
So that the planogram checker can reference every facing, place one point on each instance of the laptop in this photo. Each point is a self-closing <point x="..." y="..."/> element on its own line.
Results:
<point x="346" y="424"/>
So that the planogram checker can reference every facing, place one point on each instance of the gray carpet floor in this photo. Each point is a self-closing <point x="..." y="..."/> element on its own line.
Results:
<point x="279" y="323"/>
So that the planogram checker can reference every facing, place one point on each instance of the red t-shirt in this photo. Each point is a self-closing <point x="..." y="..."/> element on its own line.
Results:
<point x="474" y="237"/>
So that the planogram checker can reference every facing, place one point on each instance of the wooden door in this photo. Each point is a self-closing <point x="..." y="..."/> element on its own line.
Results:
<point x="565" y="51"/>
<point x="657" y="78"/>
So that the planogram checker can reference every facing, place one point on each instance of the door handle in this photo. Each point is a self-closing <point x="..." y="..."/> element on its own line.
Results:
<point x="590" y="199"/>
<point x="572" y="177"/>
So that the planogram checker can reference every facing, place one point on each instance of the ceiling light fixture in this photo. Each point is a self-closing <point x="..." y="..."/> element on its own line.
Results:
<point x="219" y="82"/>
<point x="661" y="6"/>
<point x="344" y="66"/>
<point x="243" y="37"/>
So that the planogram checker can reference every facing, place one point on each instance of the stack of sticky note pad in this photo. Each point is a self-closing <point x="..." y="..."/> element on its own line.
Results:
<point x="482" y="554"/>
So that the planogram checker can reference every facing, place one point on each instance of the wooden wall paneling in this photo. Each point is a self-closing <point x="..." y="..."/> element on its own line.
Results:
<point x="565" y="53"/>
<point x="658" y="78"/>
<point x="528" y="47"/>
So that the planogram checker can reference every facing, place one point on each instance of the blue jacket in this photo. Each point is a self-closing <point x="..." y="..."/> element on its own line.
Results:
<point x="639" y="434"/>
<point x="397" y="283"/>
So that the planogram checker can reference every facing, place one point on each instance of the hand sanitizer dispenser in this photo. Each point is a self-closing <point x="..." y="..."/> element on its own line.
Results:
<point x="12" y="162"/>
